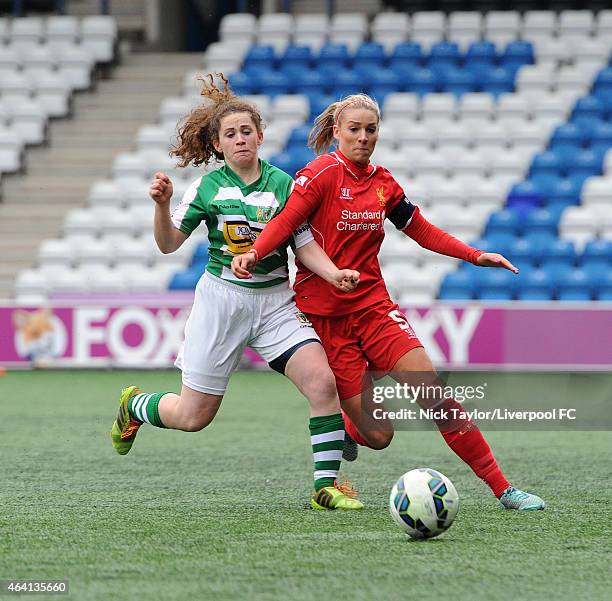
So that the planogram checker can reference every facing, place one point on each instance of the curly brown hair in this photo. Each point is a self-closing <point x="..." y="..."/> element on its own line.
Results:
<point x="201" y="127"/>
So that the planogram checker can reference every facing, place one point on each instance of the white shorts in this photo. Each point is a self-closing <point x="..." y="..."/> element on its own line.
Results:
<point x="225" y="318"/>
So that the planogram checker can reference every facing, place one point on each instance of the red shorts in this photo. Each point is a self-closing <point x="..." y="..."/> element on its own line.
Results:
<point x="373" y="338"/>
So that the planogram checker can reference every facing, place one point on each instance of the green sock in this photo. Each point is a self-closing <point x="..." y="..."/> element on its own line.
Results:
<point x="327" y="439"/>
<point x="144" y="408"/>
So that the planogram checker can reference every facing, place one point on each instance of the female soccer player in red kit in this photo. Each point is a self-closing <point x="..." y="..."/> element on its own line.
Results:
<point x="346" y="199"/>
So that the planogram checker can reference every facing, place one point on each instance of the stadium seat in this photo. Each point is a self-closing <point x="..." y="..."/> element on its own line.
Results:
<point x="61" y="30"/>
<point x="275" y="29"/>
<point x="98" y="35"/>
<point x="576" y="23"/>
<point x="406" y="55"/>
<point x="421" y="81"/>
<point x="516" y="54"/>
<point x="505" y="221"/>
<point x="443" y="55"/>
<point x="390" y="28"/>
<point x="349" y="28"/>
<point x="538" y="23"/>
<point x="501" y="27"/>
<point x="238" y="26"/>
<point x="333" y="57"/>
<point x="458" y="285"/>
<point x="428" y="27"/>
<point x="477" y="105"/>
<point x="259" y="57"/>
<point x="311" y="30"/>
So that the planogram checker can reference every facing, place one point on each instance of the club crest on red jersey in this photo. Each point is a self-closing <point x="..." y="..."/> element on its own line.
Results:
<point x="380" y="193"/>
<point x="345" y="194"/>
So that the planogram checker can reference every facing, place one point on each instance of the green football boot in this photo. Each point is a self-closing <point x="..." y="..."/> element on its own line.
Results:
<point x="125" y="428"/>
<point x="513" y="498"/>
<point x="339" y="496"/>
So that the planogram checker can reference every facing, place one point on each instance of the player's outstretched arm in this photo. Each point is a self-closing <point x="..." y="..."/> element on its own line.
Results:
<point x="313" y="257"/>
<point x="495" y="260"/>
<point x="168" y="238"/>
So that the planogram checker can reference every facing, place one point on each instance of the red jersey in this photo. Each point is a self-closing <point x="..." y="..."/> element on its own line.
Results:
<point x="346" y="206"/>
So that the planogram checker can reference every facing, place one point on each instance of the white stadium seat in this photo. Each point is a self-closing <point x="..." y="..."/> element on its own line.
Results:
<point x="597" y="191"/>
<point x="11" y="150"/>
<point x="428" y="27"/>
<point x="349" y="29"/>
<point x="390" y="29"/>
<point x="501" y="26"/>
<point x="578" y="224"/>
<point x="31" y="282"/>
<point x="275" y="29"/>
<point x="476" y="105"/>
<point x="287" y="106"/>
<point x="62" y="30"/>
<point x="55" y="252"/>
<point x="513" y="106"/>
<point x="576" y="22"/>
<point x="98" y="35"/>
<point x="311" y="30"/>
<point x="439" y="105"/>
<point x="10" y="59"/>
<point x="106" y="194"/>
<point x="129" y="165"/>
<point x="401" y="105"/>
<point x="238" y="26"/>
<point x="537" y="23"/>
<point x="80" y="222"/>
<point x="30" y="118"/>
<point x="53" y="93"/>
<point x="26" y="32"/>
<point x="224" y="57"/>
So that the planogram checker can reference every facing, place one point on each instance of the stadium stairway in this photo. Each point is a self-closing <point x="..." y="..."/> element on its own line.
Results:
<point x="58" y="177"/>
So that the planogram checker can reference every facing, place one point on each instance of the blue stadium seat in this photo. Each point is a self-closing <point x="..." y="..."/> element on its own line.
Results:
<point x="457" y="285"/>
<point x="561" y="251"/>
<point x="406" y="54"/>
<point x="443" y="54"/>
<point x="459" y="81"/>
<point x="588" y="106"/>
<point x="586" y="163"/>
<point x="596" y="270"/>
<point x="541" y="220"/>
<point x="534" y="295"/>
<point x="540" y="241"/>
<point x="498" y="280"/>
<point x="421" y="81"/>
<point x="311" y="83"/>
<point x="603" y="82"/>
<point x="242" y="84"/>
<point x="499" y="242"/>
<point x="546" y="163"/>
<point x="318" y="103"/>
<point x="503" y="221"/>
<point x="599" y="249"/>
<point x="568" y="133"/>
<point x="274" y="83"/>
<point x="576" y="282"/>
<point x="383" y="82"/>
<point x="566" y="191"/>
<point x="298" y="137"/>
<point x="516" y="54"/>
<point x="262" y="57"/>
<point x="187" y="279"/>
<point x="301" y="156"/>
<point x="297" y="56"/>
<point x="522" y="251"/>
<point x="296" y="73"/>
<point x="495" y="294"/>
<point x="498" y="80"/>
<point x="348" y="82"/>
<point x="557" y="270"/>
<point x="481" y="53"/>
<point x="602" y="134"/>
<point x="575" y="294"/>
<point x="524" y="194"/>
<point x="333" y="57"/>
<point x="200" y="255"/>
<point x="604" y="294"/>
<point x="537" y="281"/>
<point x="370" y="55"/>
<point x="284" y="161"/>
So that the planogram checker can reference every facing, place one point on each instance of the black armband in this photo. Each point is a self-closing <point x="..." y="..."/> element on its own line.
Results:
<point x="401" y="215"/>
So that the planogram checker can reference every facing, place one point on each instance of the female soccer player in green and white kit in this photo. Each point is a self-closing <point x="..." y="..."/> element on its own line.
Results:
<point x="228" y="314"/>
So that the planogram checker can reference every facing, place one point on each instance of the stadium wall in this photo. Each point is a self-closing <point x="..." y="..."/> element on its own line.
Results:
<point x="147" y="332"/>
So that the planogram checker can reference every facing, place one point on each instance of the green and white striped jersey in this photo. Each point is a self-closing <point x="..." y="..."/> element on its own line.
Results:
<point x="235" y="214"/>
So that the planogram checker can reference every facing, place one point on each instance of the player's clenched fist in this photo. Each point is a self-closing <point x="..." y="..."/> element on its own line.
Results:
<point x="161" y="189"/>
<point x="345" y="279"/>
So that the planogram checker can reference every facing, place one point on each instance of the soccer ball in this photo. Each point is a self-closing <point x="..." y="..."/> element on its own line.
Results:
<point x="424" y="502"/>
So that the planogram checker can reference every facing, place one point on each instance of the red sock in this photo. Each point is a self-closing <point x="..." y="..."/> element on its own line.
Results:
<point x="471" y="446"/>
<point x="352" y="431"/>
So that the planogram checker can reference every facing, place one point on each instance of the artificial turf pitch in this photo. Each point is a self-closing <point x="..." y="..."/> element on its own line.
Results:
<point x="223" y="513"/>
